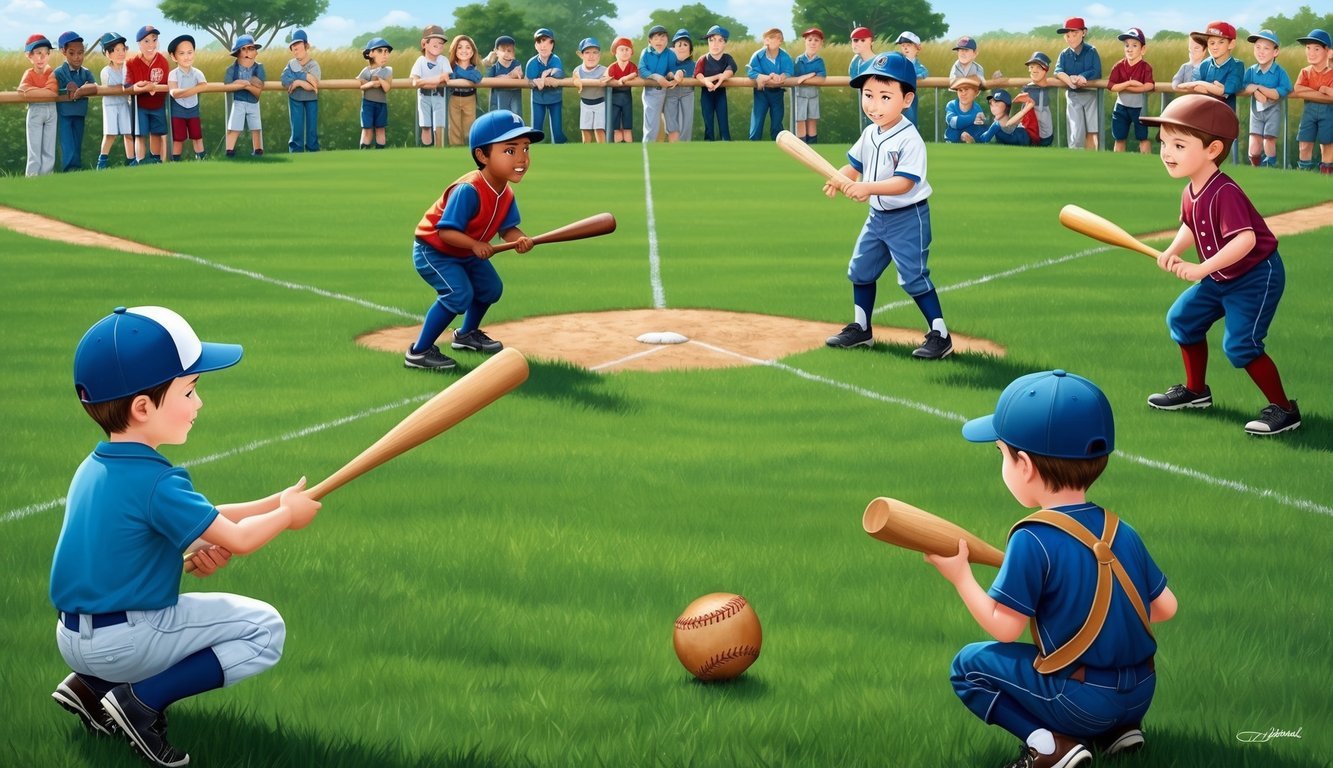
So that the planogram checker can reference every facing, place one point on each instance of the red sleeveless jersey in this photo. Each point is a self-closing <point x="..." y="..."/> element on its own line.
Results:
<point x="483" y="226"/>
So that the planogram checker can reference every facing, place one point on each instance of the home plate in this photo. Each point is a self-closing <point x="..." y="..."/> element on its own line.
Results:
<point x="663" y="337"/>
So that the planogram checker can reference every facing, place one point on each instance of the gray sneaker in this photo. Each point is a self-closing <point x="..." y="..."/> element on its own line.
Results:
<point x="432" y="360"/>
<point x="853" y="335"/>
<point x="477" y="341"/>
<point x="1178" y="397"/>
<point x="1273" y="419"/>
<point x="78" y="697"/>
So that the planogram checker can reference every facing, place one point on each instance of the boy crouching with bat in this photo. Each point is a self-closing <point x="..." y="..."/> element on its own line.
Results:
<point x="1081" y="579"/>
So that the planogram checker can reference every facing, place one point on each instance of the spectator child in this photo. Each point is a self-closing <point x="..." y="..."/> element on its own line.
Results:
<point x="862" y="54"/>
<point x="429" y="72"/>
<point x="1240" y="277"/>
<point x="1189" y="71"/>
<point x="1078" y="65"/>
<point x="1266" y="83"/>
<point x="301" y="79"/>
<point x="713" y="69"/>
<point x="909" y="45"/>
<point x="463" y="101"/>
<point x="592" y="98"/>
<point x="809" y="70"/>
<point x="1220" y="75"/>
<point x="679" y="107"/>
<point x="655" y="70"/>
<point x="376" y="80"/>
<point x="148" y="72"/>
<point x="967" y="64"/>
<point x="117" y="114"/>
<point x="76" y="84"/>
<point x="500" y="62"/>
<point x="769" y="68"/>
<point x="184" y="84"/>
<point x="1314" y="84"/>
<point x="246" y="77"/>
<point x="543" y="70"/>
<point x="40" y="80"/>
<point x="1075" y="573"/>
<point x="1037" y="96"/>
<point x="887" y="166"/>
<point x="963" y="116"/>
<point x="1004" y="128"/>
<point x="453" y="250"/>
<point x="136" y="645"/>
<point x="1131" y="80"/>
<point x="621" y="71"/>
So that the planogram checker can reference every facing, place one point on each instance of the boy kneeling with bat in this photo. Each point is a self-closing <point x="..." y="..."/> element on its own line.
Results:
<point x="1073" y="572"/>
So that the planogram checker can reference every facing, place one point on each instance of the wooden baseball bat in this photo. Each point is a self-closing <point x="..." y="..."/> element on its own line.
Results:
<point x="593" y="226"/>
<point x="479" y="388"/>
<point x="811" y="159"/>
<point x="1088" y="223"/>
<point x="904" y="525"/>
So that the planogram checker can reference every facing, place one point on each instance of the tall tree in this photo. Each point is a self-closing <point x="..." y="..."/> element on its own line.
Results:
<point x="401" y="38"/>
<point x="483" y="22"/>
<point x="226" y="21"/>
<point x="697" y="18"/>
<point x="839" y="17"/>
<point x="1299" y="25"/>
<point x="570" y="20"/>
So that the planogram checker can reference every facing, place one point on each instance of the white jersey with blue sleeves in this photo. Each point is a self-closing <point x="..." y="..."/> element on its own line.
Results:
<point x="881" y="155"/>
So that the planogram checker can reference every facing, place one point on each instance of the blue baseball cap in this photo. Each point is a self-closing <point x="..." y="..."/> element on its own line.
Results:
<point x="68" y="37"/>
<point x="1264" y="34"/>
<point x="299" y="36"/>
<point x="1000" y="95"/>
<point x="717" y="30"/>
<point x="497" y="126"/>
<point x="1051" y="413"/>
<point x="34" y="42"/>
<point x="657" y="29"/>
<point x="176" y="43"/>
<point x="134" y="349"/>
<point x="145" y="31"/>
<point x="543" y="32"/>
<point x="894" y="66"/>
<point x="1038" y="57"/>
<point x="1133" y="33"/>
<point x="681" y="34"/>
<point x="503" y="40"/>
<point x="965" y="42"/>
<point x="1316" y="36"/>
<point x="108" y="40"/>
<point x="375" y="42"/>
<point x="243" y="41"/>
<point x="589" y="42"/>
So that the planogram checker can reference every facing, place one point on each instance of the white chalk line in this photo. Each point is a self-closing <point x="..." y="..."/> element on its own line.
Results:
<point x="996" y="276"/>
<point x="611" y="364"/>
<point x="654" y="263"/>
<point x="32" y="509"/>
<point x="1175" y="469"/>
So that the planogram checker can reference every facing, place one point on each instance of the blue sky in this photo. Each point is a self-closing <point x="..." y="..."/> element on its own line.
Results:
<point x="347" y="18"/>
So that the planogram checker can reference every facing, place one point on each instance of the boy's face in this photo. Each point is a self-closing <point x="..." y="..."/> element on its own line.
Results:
<point x="909" y="49"/>
<point x="433" y="47"/>
<point x="1037" y="72"/>
<point x="378" y="56"/>
<point x="39" y="57"/>
<point x="1133" y="50"/>
<point x="773" y="43"/>
<point x="509" y="161"/>
<point x="884" y="102"/>
<point x="544" y="46"/>
<point x="716" y="44"/>
<point x="184" y="55"/>
<point x="1185" y="155"/>
<point x="74" y="54"/>
<point x="246" y="56"/>
<point x="813" y="43"/>
<point x="966" y="55"/>
<point x="658" y="41"/>
<point x="683" y="49"/>
<point x="1264" y="51"/>
<point x="861" y="46"/>
<point x="1196" y="50"/>
<point x="1316" y="54"/>
<point x="1219" y="47"/>
<point x="1074" y="37"/>
<point x="998" y="109"/>
<point x="506" y="53"/>
<point x="623" y="52"/>
<point x="300" y="50"/>
<point x="591" y="56"/>
<point x="967" y="94"/>
<point x="170" y="422"/>
<point x="117" y="54"/>
<point x="148" y="45"/>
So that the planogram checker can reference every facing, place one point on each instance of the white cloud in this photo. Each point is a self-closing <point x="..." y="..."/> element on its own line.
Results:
<point x="395" y="18"/>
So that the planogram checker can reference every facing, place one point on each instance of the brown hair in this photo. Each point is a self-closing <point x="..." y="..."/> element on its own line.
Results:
<point x="453" y="50"/>
<point x="114" y="415"/>
<point x="1204" y="136"/>
<point x="1059" y="474"/>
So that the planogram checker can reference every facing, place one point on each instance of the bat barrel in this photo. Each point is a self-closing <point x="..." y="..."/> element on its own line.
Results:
<point x="903" y="525"/>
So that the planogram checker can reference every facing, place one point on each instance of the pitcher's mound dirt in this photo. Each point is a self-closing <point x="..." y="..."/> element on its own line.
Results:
<point x="606" y="341"/>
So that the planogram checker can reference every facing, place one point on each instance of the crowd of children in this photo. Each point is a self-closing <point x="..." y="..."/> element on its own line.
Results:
<point x="137" y="112"/>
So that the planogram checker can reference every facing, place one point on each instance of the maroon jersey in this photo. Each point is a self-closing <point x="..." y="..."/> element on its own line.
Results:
<point x="155" y="71"/>
<point x="1219" y="212"/>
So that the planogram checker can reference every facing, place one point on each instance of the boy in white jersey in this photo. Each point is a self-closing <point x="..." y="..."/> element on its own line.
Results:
<point x="888" y="169"/>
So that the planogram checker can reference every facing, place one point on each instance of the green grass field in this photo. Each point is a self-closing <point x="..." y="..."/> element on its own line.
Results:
<point x="505" y="594"/>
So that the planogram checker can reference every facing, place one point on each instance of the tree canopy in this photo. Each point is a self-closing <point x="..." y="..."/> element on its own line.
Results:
<point x="837" y="18"/>
<point x="696" y="18"/>
<point x="1298" y="25"/>
<point x="570" y="20"/>
<point x="226" y="21"/>
<point x="401" y="38"/>
<point x="483" y="22"/>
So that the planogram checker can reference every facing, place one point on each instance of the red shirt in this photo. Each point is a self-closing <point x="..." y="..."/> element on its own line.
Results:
<point x="483" y="226"/>
<point x="615" y="71"/>
<point x="1219" y="212"/>
<point x="1310" y="78"/>
<point x="1122" y="72"/>
<point x="155" y="71"/>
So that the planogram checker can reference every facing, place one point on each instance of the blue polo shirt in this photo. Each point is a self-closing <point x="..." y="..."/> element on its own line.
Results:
<point x="805" y="65"/>
<point x="129" y="515"/>
<point x="760" y="64"/>
<point x="653" y="63"/>
<point x="237" y="72"/>
<point x="534" y="69"/>
<point x="1274" y="77"/>
<point x="65" y="75"/>
<point x="1230" y="73"/>
<point x="1050" y="574"/>
<point x="1086" y="62"/>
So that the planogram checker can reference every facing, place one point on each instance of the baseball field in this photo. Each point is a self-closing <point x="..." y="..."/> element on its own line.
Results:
<point x="504" y="595"/>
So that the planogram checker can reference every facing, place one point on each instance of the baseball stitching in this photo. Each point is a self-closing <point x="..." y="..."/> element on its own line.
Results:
<point x="733" y="606"/>
<point x="706" y="669"/>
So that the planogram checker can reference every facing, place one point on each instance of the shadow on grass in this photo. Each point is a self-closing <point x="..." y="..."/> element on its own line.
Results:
<point x="743" y="688"/>
<point x="571" y="384"/>
<point x="1314" y="434"/>
<point x="973" y="370"/>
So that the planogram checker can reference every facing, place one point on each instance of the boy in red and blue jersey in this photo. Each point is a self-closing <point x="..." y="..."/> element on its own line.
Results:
<point x="453" y="239"/>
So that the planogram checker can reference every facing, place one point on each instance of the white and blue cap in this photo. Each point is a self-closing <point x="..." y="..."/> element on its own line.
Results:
<point x="1317" y="36"/>
<point x="1264" y="34"/>
<point x="243" y="41"/>
<point x="543" y="32"/>
<point x="908" y="37"/>
<point x="134" y="349"/>
<point x="719" y="31"/>
<point x="589" y="42"/>
<point x="299" y="36"/>
<point x="1051" y="413"/>
<point x="894" y="66"/>
<point x="497" y="126"/>
<point x="1000" y="95"/>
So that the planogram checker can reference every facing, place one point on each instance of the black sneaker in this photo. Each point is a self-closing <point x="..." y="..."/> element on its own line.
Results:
<point x="935" y="347"/>
<point x="852" y="335"/>
<point x="145" y="728"/>
<point x="477" y="341"/>
<point x="77" y="696"/>
<point x="1178" y="397"/>
<point x="1128" y="739"/>
<point x="432" y="359"/>
<point x="1273" y="419"/>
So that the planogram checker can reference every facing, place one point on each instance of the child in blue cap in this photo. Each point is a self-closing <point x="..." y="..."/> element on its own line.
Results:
<point x="301" y="79"/>
<point x="134" y="642"/>
<point x="453" y="239"/>
<point x="40" y="81"/>
<point x="76" y="83"/>
<point x="1081" y="579"/>
<point x="246" y="78"/>
<point x="376" y="80"/>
